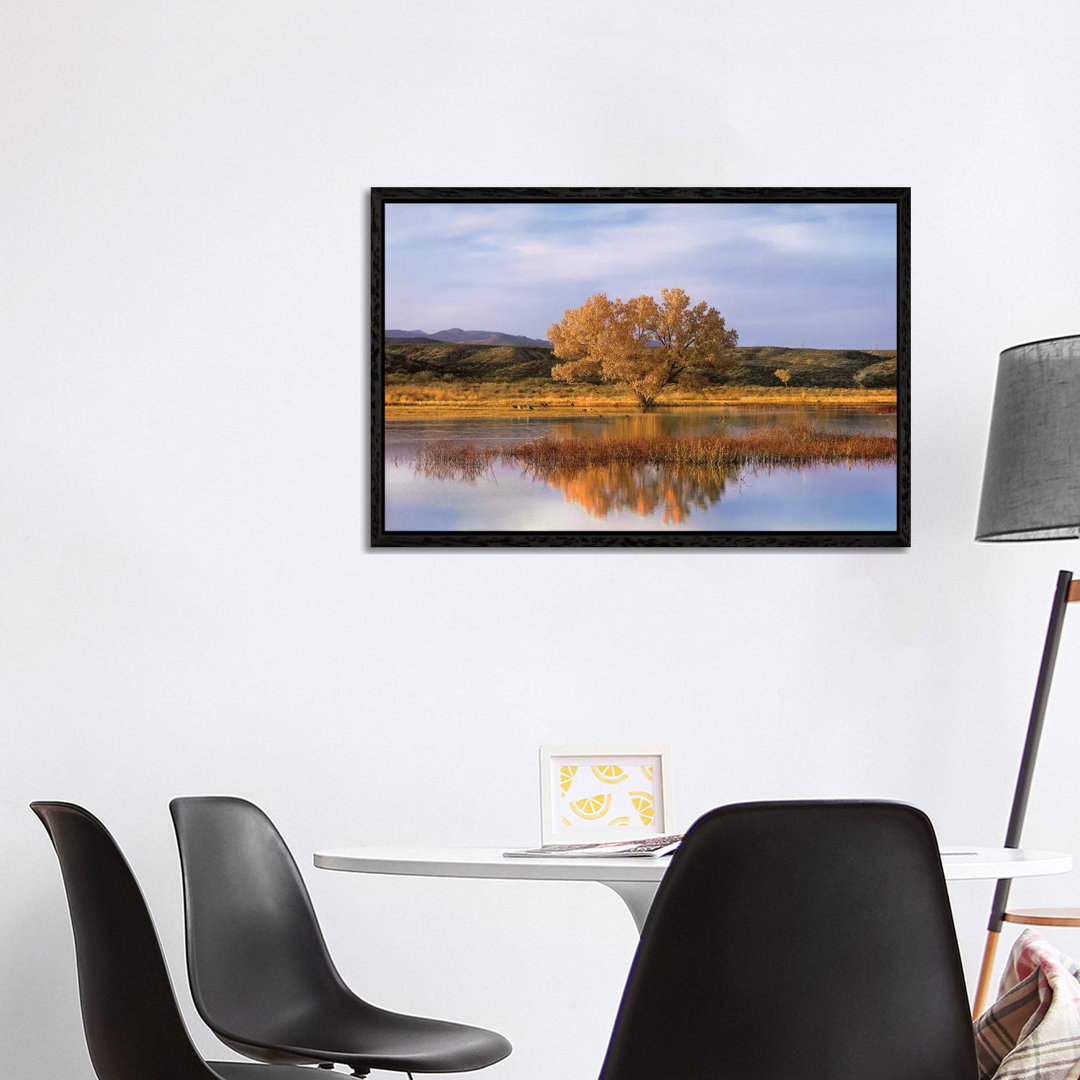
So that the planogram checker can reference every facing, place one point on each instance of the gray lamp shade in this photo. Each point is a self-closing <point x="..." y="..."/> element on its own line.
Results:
<point x="1031" y="485"/>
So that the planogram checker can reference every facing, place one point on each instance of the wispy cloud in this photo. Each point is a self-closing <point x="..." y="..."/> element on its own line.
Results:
<point x="782" y="273"/>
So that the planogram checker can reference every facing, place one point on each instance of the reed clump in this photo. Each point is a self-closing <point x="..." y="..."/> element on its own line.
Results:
<point x="453" y="460"/>
<point x="769" y="447"/>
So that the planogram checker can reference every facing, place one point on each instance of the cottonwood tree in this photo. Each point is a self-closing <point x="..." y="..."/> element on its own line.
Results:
<point x="642" y="344"/>
<point x="783" y="375"/>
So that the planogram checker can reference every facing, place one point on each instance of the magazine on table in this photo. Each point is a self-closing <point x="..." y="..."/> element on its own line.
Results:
<point x="649" y="847"/>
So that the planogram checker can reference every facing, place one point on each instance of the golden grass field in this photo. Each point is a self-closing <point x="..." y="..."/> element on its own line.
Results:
<point x="413" y="399"/>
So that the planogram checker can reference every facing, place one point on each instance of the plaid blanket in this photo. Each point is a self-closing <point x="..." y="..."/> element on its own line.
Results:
<point x="1032" y="1031"/>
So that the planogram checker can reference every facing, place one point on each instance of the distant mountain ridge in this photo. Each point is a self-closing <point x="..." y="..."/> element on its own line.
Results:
<point x="471" y="337"/>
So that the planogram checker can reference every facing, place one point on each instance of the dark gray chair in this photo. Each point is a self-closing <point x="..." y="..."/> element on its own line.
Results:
<point x="259" y="969"/>
<point x="798" y="941"/>
<point x="133" y="1026"/>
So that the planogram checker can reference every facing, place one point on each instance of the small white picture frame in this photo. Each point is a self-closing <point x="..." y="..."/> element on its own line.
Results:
<point x="590" y="794"/>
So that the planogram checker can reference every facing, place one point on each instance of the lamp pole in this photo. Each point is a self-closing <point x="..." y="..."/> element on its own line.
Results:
<point x="1065" y="592"/>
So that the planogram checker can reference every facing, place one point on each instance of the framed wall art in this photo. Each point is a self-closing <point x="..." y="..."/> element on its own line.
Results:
<point x="640" y="367"/>
<point x="596" y="793"/>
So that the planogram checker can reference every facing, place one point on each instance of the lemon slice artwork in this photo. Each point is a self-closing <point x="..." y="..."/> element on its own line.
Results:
<point x="592" y="808"/>
<point x="624" y="820"/>
<point x="609" y="774"/>
<point x="643" y="804"/>
<point x="566" y="777"/>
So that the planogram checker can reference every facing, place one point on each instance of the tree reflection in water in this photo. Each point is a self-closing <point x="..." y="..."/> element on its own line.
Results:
<point x="604" y="489"/>
<point x="641" y="467"/>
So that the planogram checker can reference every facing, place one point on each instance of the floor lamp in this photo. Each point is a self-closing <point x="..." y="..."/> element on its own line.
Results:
<point x="1031" y="491"/>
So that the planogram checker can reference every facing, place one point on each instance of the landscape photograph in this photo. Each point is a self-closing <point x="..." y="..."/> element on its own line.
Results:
<point x="727" y="370"/>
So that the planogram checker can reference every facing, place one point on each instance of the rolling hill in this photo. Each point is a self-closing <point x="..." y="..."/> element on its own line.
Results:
<point x="754" y="365"/>
<point x="486" y="363"/>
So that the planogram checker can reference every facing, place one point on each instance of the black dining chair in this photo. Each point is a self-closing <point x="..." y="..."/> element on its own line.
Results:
<point x="798" y="941"/>
<point x="133" y="1026"/>
<point x="259" y="969"/>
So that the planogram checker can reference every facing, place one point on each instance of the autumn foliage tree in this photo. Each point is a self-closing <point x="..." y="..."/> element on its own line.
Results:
<point x="642" y="344"/>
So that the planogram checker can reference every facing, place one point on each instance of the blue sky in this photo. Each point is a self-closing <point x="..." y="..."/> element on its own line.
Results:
<point x="816" y="274"/>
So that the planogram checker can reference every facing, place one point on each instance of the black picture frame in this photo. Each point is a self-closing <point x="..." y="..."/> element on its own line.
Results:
<point x="383" y="537"/>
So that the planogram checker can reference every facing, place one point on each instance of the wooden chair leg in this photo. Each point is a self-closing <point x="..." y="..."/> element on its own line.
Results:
<point x="982" y="992"/>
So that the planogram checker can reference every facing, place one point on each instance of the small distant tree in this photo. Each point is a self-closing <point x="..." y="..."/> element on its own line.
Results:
<point x="641" y="344"/>
<point x="783" y="375"/>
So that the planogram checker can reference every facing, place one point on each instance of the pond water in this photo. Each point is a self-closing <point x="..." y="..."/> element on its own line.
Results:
<point x="596" y="498"/>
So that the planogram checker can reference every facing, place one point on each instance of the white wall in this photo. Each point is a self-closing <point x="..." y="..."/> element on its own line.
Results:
<point x="187" y="604"/>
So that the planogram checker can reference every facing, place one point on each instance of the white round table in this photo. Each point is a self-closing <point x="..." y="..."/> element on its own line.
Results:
<point x="636" y="879"/>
